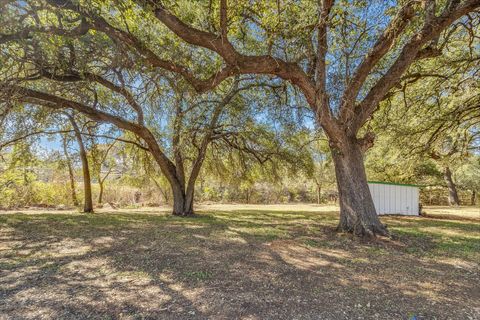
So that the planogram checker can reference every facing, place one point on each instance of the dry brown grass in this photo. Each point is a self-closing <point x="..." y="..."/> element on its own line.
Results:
<point x="455" y="212"/>
<point x="235" y="262"/>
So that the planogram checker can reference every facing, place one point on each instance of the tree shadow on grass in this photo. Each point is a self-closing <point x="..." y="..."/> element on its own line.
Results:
<point x="216" y="266"/>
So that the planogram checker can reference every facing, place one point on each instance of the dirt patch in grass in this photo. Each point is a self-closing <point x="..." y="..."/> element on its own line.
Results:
<point x="236" y="263"/>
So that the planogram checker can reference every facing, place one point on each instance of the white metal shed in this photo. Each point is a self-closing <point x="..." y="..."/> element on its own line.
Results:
<point x="395" y="198"/>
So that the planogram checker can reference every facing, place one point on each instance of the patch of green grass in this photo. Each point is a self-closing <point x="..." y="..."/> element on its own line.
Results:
<point x="8" y="265"/>
<point x="421" y="236"/>
<point x="459" y="246"/>
<point x="376" y="250"/>
<point x="321" y="243"/>
<point x="447" y="238"/>
<point x="414" y="250"/>
<point x="198" y="275"/>
<point x="409" y="231"/>
<point x="311" y="243"/>
<point x="358" y="260"/>
<point x="261" y="233"/>
<point x="51" y="267"/>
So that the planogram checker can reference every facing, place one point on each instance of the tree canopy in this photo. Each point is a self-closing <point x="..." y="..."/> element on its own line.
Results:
<point x="182" y="76"/>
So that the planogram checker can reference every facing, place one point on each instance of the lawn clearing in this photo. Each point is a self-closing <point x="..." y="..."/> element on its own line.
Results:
<point x="236" y="262"/>
<point x="460" y="212"/>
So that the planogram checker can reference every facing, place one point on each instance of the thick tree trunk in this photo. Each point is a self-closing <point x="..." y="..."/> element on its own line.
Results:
<point x="189" y="199"/>
<point x="87" y="184"/>
<point x="452" y="188"/>
<point x="181" y="207"/>
<point x="473" y="199"/>
<point x="357" y="211"/>
<point x="182" y="203"/>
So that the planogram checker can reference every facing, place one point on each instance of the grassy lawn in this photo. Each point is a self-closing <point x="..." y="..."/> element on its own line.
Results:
<point x="237" y="262"/>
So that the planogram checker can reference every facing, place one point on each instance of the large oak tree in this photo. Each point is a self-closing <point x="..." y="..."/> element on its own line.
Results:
<point x="343" y="56"/>
<point x="92" y="76"/>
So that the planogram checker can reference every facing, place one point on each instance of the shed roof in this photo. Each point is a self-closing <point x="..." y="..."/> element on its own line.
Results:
<point x="396" y="184"/>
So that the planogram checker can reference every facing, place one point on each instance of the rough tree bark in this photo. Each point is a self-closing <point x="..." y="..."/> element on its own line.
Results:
<point x="182" y="204"/>
<point x="473" y="198"/>
<point x="357" y="211"/>
<point x="87" y="184"/>
<point x="453" y="198"/>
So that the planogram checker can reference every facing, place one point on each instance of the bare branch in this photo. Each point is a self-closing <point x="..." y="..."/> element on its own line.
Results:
<point x="223" y="19"/>
<point x="381" y="47"/>
<point x="236" y="62"/>
<point x="408" y="54"/>
<point x="322" y="48"/>
<point x="57" y="103"/>
<point x="74" y="76"/>
<point x="138" y="145"/>
<point x="30" y="134"/>
<point x="26" y="33"/>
